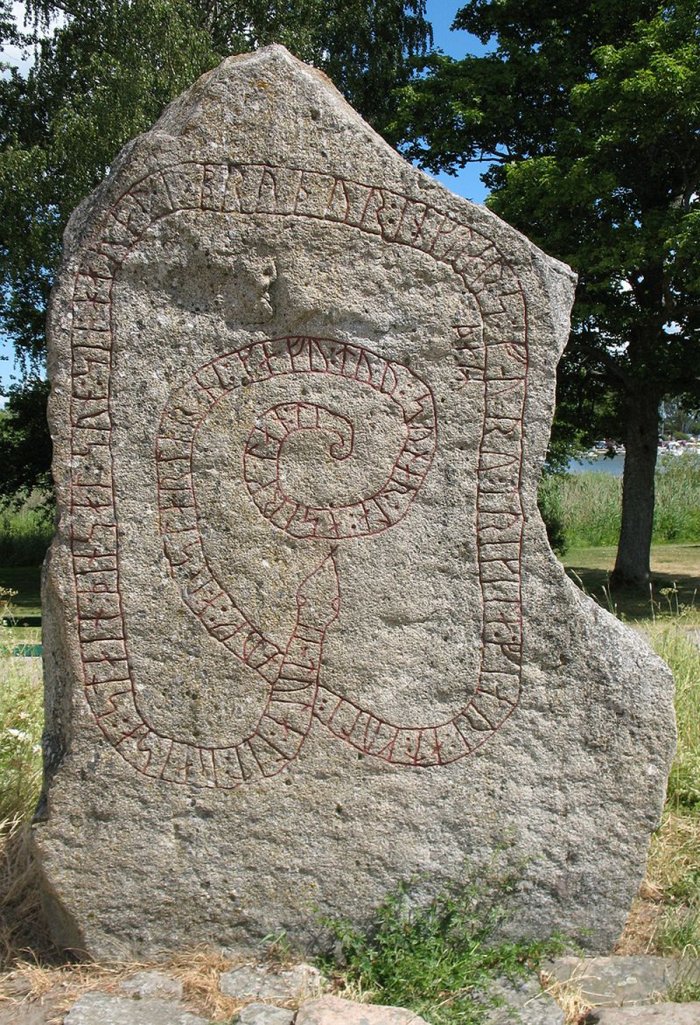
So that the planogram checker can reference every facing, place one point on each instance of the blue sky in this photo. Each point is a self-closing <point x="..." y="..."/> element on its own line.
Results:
<point x="456" y="43"/>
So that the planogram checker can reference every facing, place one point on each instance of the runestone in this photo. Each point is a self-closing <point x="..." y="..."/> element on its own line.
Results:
<point x="304" y="635"/>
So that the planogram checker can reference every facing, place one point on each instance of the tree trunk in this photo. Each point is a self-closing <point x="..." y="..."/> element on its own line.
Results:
<point x="641" y="441"/>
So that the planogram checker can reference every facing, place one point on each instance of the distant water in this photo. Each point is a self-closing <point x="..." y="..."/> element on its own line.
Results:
<point x="613" y="466"/>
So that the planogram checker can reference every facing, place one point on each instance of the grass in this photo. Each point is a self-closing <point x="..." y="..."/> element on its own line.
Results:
<point x="586" y="506"/>
<point x="21" y="724"/>
<point x="675" y="582"/>
<point x="674" y="864"/>
<point x="683" y="656"/>
<point x="666" y="916"/>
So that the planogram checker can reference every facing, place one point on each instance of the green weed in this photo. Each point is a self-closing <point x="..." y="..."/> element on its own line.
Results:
<point x="684" y="992"/>
<point x="679" y="932"/>
<point x="439" y="960"/>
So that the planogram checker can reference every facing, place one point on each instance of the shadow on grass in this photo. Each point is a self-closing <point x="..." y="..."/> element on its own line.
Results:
<point x="669" y="593"/>
<point x="26" y="581"/>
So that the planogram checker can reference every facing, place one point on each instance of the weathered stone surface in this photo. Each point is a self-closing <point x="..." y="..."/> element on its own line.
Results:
<point x="152" y="984"/>
<point x="657" y="1014"/>
<point x="633" y="979"/>
<point x="265" y="1014"/>
<point x="24" y="1014"/>
<point x="336" y="1011"/>
<point x="304" y="636"/>
<point x="103" y="1009"/>
<point x="254" y="982"/>
<point x="524" y="1003"/>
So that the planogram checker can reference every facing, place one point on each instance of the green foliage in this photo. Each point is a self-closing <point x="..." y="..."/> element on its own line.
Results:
<point x="25" y="534"/>
<point x="438" y="960"/>
<point x="25" y="445"/>
<point x="25" y="581"/>
<point x="549" y="500"/>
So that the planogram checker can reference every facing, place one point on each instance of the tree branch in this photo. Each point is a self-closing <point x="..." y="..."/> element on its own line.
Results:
<point x="605" y="358"/>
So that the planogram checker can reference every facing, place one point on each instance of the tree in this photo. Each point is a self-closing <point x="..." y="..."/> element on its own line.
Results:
<point x="588" y="115"/>
<point x="106" y="73"/>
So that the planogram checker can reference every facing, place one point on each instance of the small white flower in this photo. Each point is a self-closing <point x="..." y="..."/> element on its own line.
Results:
<point x="19" y="734"/>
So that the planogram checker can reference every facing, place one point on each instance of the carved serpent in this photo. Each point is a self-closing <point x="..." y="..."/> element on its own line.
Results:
<point x="292" y="676"/>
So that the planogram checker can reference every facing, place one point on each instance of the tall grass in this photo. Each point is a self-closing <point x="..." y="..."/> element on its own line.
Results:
<point x="21" y="725"/>
<point x="586" y="506"/>
<point x="682" y="654"/>
<point x="25" y="534"/>
<point x="674" y="861"/>
<point x="21" y="721"/>
<point x="677" y="514"/>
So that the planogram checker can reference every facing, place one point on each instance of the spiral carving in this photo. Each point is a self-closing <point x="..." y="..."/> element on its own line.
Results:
<point x="367" y="515"/>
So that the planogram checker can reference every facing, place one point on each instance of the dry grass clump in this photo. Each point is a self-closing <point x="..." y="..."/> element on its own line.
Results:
<point x="199" y="972"/>
<point x="569" y="997"/>
<point x="22" y="924"/>
<point x="643" y="921"/>
<point x="665" y="918"/>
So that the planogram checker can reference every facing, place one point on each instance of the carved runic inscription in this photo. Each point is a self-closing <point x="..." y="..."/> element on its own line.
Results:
<point x="490" y="353"/>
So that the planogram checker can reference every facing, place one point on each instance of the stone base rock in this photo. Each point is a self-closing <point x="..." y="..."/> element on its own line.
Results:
<point x="145" y="985"/>
<point x="256" y="982"/>
<point x="617" y="980"/>
<point x="523" y="1003"/>
<point x="102" y="1009"/>
<point x="335" y="1011"/>
<point x="265" y="1014"/>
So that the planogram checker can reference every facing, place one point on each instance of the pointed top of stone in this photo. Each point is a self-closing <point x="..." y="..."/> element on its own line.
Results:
<point x="267" y="85"/>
